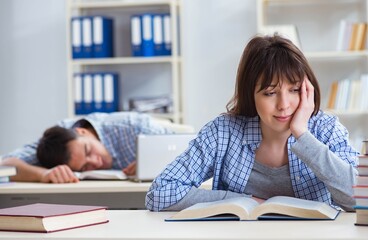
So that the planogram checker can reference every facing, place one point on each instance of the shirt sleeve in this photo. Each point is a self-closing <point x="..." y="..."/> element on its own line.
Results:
<point x="198" y="195"/>
<point x="337" y="171"/>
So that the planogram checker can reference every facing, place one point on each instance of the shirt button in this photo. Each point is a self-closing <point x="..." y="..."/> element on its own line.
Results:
<point x="297" y="178"/>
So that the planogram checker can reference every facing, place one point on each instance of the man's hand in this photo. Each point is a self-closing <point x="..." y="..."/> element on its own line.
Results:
<point x="130" y="169"/>
<point x="59" y="174"/>
<point x="299" y="123"/>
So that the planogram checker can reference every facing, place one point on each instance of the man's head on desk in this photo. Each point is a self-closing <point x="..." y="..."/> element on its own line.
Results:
<point x="80" y="148"/>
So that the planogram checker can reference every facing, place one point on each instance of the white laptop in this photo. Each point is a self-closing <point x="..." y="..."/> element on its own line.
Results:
<point x="155" y="152"/>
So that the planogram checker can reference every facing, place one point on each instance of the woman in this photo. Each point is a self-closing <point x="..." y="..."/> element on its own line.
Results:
<point x="272" y="141"/>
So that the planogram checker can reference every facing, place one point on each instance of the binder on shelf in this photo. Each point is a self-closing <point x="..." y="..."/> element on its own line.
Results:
<point x="167" y="34"/>
<point x="98" y="92"/>
<point x="76" y="40"/>
<point x="87" y="93"/>
<point x="158" y="35"/>
<point x="111" y="95"/>
<point x="102" y="37"/>
<point x="78" y="94"/>
<point x="147" y="35"/>
<point x="136" y="35"/>
<point x="87" y="48"/>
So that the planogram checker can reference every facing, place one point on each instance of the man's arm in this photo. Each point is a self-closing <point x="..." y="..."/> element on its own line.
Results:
<point x="31" y="173"/>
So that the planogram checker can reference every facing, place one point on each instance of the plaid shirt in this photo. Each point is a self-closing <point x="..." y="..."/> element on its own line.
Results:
<point x="225" y="150"/>
<point x="116" y="131"/>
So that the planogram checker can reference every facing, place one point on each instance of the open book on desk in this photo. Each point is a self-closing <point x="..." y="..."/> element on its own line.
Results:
<point x="244" y="208"/>
<point x="101" y="175"/>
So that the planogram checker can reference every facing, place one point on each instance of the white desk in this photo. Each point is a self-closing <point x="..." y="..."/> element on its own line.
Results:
<point x="113" y="194"/>
<point x="142" y="224"/>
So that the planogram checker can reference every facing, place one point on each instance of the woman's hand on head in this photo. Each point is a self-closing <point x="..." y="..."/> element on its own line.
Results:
<point x="299" y="123"/>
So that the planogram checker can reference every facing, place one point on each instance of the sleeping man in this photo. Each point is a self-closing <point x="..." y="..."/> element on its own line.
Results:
<point x="97" y="141"/>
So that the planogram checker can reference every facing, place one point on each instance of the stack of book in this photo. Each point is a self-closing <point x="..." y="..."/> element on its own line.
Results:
<point x="361" y="192"/>
<point x="6" y="172"/>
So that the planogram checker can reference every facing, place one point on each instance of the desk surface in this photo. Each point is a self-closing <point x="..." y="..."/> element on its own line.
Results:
<point x="80" y="187"/>
<point x="142" y="224"/>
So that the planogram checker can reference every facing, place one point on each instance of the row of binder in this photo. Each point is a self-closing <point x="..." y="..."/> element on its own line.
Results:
<point x="92" y="37"/>
<point x="96" y="92"/>
<point x="151" y="34"/>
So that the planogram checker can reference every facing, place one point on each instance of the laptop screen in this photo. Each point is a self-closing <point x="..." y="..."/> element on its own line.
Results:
<point x="155" y="152"/>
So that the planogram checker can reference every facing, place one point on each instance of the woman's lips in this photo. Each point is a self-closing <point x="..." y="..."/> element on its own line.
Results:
<point x="283" y="118"/>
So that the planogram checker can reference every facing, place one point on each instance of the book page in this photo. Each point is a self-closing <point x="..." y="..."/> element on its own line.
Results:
<point x="296" y="207"/>
<point x="240" y="207"/>
<point x="102" y="175"/>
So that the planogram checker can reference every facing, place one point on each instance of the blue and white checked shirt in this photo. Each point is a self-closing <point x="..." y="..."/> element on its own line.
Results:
<point x="116" y="131"/>
<point x="225" y="150"/>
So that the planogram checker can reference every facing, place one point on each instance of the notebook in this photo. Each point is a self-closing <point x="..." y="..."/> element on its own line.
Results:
<point x="155" y="152"/>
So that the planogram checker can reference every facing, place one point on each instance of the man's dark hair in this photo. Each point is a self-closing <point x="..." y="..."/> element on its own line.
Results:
<point x="52" y="148"/>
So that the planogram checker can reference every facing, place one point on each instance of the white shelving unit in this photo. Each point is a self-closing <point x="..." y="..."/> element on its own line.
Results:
<point x="138" y="76"/>
<point x="318" y="23"/>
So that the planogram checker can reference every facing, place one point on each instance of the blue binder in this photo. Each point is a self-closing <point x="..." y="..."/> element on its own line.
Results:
<point x="87" y="48"/>
<point x="158" y="34"/>
<point x="102" y="37"/>
<point x="98" y="92"/>
<point x="76" y="37"/>
<point x="87" y="93"/>
<point x="78" y="94"/>
<point x="111" y="92"/>
<point x="147" y="35"/>
<point x="167" y="34"/>
<point x="136" y="35"/>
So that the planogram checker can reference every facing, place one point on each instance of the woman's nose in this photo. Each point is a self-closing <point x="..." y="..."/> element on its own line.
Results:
<point x="283" y="102"/>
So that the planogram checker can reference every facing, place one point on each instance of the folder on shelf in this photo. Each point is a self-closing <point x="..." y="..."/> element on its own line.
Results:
<point x="158" y="34"/>
<point x="167" y="34"/>
<point x="136" y="35"/>
<point x="87" y="37"/>
<point x="147" y="35"/>
<point x="76" y="39"/>
<point x="111" y="95"/>
<point x="98" y="92"/>
<point x="102" y="37"/>
<point x="87" y="93"/>
<point x="78" y="94"/>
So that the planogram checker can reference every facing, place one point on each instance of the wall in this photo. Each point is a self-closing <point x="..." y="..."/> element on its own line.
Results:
<point x="214" y="35"/>
<point x="33" y="67"/>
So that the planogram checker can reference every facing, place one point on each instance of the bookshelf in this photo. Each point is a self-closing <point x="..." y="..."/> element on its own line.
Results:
<point x="318" y="26"/>
<point x="138" y="76"/>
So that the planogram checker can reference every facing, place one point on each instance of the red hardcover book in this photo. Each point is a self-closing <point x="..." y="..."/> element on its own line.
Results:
<point x="41" y="217"/>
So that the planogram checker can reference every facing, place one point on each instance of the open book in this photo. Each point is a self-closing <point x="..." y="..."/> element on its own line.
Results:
<point x="244" y="208"/>
<point x="101" y="175"/>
